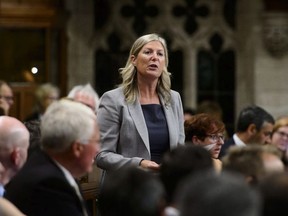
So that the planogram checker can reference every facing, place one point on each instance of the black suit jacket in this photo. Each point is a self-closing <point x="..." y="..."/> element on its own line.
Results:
<point x="41" y="189"/>
<point x="227" y="144"/>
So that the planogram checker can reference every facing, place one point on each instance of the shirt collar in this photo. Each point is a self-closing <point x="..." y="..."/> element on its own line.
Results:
<point x="67" y="175"/>
<point x="238" y="141"/>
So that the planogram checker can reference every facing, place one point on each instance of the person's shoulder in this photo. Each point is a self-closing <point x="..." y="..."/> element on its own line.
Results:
<point x="38" y="165"/>
<point x="174" y="92"/>
<point x="175" y="95"/>
<point x="114" y="92"/>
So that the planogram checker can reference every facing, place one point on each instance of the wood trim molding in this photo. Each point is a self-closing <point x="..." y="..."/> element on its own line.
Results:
<point x="30" y="15"/>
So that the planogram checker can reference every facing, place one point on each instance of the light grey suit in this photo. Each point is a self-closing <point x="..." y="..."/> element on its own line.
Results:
<point x="124" y="134"/>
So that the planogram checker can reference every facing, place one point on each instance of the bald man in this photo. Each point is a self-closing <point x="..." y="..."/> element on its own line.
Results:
<point x="14" y="142"/>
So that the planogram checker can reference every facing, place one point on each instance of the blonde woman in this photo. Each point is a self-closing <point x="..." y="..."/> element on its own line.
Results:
<point x="143" y="118"/>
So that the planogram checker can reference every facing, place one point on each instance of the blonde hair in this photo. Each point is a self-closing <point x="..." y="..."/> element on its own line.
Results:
<point x="280" y="122"/>
<point x="129" y="72"/>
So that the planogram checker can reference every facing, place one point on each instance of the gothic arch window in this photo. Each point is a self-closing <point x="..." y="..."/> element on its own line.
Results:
<point x="200" y="38"/>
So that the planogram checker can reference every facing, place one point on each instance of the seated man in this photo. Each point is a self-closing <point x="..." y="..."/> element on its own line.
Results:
<point x="254" y="126"/>
<point x="69" y="143"/>
<point x="85" y="94"/>
<point x="14" y="142"/>
<point x="253" y="162"/>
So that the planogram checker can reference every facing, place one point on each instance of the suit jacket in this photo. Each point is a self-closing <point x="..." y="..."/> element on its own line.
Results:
<point x="124" y="134"/>
<point x="40" y="188"/>
<point x="227" y="144"/>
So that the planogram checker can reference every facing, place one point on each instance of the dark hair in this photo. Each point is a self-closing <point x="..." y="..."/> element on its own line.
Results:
<point x="131" y="191"/>
<point x="253" y="115"/>
<point x="179" y="163"/>
<point x="209" y="194"/>
<point x="202" y="124"/>
<point x="33" y="127"/>
<point x="274" y="192"/>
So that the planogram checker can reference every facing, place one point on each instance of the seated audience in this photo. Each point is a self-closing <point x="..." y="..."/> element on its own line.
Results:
<point x="69" y="143"/>
<point x="210" y="194"/>
<point x="14" y="142"/>
<point x="254" y="125"/>
<point x="131" y="191"/>
<point x="45" y="94"/>
<point x="253" y="162"/>
<point x="6" y="98"/>
<point x="206" y="131"/>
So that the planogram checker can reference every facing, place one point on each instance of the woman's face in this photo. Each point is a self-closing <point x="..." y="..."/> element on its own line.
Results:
<point x="150" y="61"/>
<point x="212" y="142"/>
<point x="280" y="138"/>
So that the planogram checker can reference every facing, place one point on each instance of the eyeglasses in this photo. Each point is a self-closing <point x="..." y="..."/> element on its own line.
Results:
<point x="215" y="137"/>
<point x="7" y="98"/>
<point x="90" y="141"/>
<point x="282" y="134"/>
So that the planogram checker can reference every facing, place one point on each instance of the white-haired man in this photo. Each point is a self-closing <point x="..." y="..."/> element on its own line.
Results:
<point x="85" y="94"/>
<point x="46" y="184"/>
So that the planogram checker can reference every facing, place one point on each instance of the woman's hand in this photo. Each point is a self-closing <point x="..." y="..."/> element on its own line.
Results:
<point x="151" y="165"/>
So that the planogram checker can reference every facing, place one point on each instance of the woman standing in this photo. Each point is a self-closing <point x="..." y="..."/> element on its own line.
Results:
<point x="143" y="118"/>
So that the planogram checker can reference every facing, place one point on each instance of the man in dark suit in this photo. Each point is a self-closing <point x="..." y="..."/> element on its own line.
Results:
<point x="46" y="184"/>
<point x="254" y="126"/>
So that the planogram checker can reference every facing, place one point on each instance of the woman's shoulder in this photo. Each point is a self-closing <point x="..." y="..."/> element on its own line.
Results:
<point x="114" y="92"/>
<point x="174" y="93"/>
<point x="175" y="97"/>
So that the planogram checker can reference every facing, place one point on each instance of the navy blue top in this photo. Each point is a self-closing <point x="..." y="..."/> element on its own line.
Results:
<point x="157" y="130"/>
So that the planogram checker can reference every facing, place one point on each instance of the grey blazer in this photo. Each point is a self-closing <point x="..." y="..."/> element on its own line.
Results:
<point x="124" y="134"/>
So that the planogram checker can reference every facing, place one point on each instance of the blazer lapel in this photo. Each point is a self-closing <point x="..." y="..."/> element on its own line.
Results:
<point x="171" y="121"/>
<point x="138" y="118"/>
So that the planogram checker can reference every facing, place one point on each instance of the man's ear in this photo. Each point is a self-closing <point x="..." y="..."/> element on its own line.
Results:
<point x="15" y="156"/>
<point x="77" y="148"/>
<point x="252" y="129"/>
<point x="195" y="140"/>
